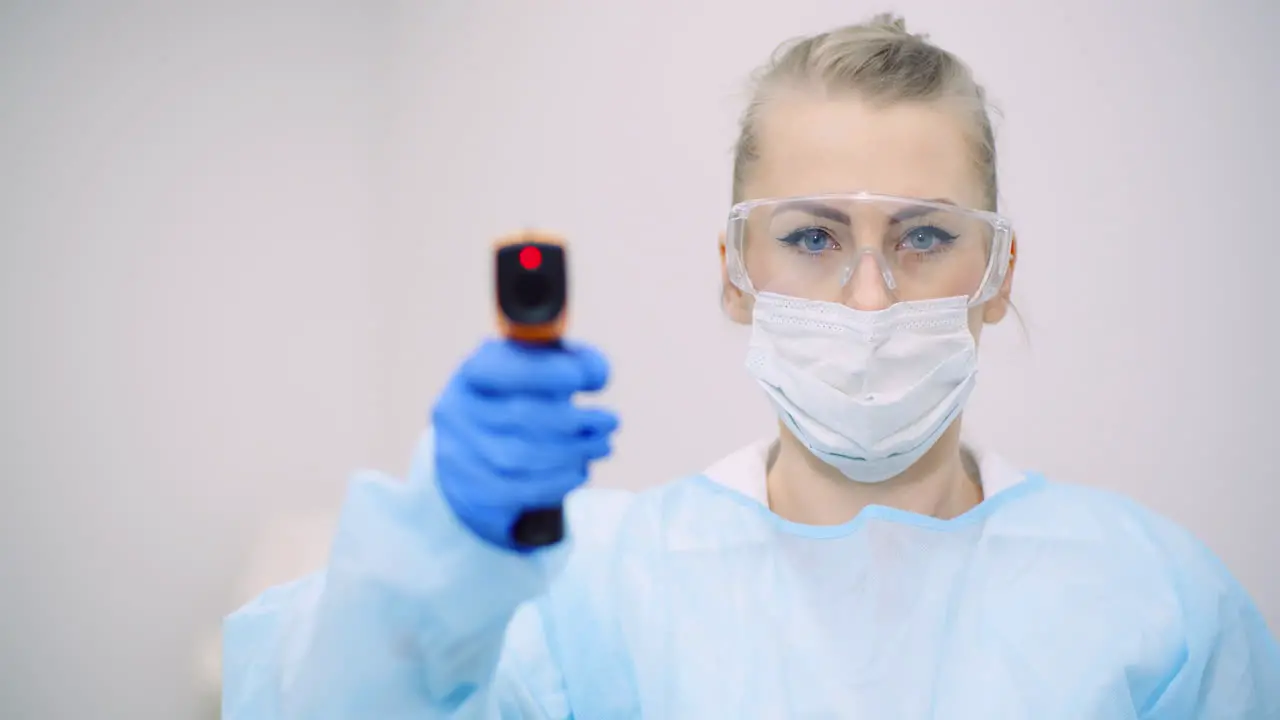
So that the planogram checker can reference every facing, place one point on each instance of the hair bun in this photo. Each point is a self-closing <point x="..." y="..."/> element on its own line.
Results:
<point x="892" y="22"/>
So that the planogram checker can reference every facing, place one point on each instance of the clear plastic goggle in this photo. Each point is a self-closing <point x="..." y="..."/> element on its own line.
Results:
<point x="815" y="247"/>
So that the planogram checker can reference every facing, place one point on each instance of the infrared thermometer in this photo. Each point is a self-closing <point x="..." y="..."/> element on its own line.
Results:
<point x="531" y="282"/>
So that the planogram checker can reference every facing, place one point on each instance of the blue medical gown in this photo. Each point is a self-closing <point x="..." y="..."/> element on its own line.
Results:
<point x="692" y="601"/>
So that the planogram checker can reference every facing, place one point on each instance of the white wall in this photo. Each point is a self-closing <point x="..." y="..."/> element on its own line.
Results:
<point x="243" y="247"/>
<point x="186" y="214"/>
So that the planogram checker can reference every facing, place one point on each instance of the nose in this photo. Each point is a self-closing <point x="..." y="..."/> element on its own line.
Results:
<point x="870" y="285"/>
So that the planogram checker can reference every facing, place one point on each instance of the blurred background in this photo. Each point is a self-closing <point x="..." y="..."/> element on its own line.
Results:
<point x="242" y="245"/>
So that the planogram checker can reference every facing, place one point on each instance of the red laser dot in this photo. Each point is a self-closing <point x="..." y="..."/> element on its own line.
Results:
<point x="530" y="258"/>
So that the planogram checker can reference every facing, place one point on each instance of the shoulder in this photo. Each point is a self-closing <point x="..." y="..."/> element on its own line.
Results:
<point x="1092" y="517"/>
<point x="1118" y="540"/>
<point x="1095" y="516"/>
<point x="1172" y="590"/>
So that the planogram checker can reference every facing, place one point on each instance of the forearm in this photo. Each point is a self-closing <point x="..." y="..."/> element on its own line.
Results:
<point x="409" y="618"/>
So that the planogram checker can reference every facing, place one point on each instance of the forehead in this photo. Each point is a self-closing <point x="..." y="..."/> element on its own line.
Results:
<point x="812" y="145"/>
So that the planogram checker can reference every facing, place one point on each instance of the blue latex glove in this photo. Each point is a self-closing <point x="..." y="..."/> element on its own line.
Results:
<point x="508" y="437"/>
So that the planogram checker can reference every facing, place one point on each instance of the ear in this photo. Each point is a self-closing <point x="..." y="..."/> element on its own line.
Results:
<point x="736" y="304"/>
<point x="997" y="307"/>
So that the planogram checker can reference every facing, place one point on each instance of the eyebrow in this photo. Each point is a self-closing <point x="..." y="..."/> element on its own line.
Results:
<point x="818" y="209"/>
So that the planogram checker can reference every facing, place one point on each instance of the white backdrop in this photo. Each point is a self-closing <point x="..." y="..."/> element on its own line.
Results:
<point x="245" y="243"/>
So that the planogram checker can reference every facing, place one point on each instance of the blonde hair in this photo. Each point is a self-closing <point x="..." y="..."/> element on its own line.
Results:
<point x="879" y="62"/>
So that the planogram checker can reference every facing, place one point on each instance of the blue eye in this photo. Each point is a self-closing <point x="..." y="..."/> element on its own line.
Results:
<point x="812" y="240"/>
<point x="926" y="239"/>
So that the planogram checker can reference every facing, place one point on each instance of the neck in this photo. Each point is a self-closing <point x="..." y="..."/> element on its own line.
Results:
<point x="943" y="483"/>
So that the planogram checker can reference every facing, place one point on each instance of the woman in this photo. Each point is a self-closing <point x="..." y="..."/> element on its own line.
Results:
<point x="863" y="564"/>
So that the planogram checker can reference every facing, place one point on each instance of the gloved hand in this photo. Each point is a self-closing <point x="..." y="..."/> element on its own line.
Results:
<point x="508" y="437"/>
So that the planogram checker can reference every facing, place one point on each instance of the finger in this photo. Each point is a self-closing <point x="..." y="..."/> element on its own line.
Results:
<point x="595" y="448"/>
<point x="596" y="422"/>
<point x="515" y="455"/>
<point x="537" y="417"/>
<point x="548" y="491"/>
<point x="523" y="432"/>
<point x="480" y="487"/>
<point x="502" y="367"/>
<point x="475" y="482"/>
<point x="553" y="423"/>
<point x="595" y="367"/>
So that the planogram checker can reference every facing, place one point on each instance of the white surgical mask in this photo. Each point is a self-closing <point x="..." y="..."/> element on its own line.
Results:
<point x="867" y="392"/>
